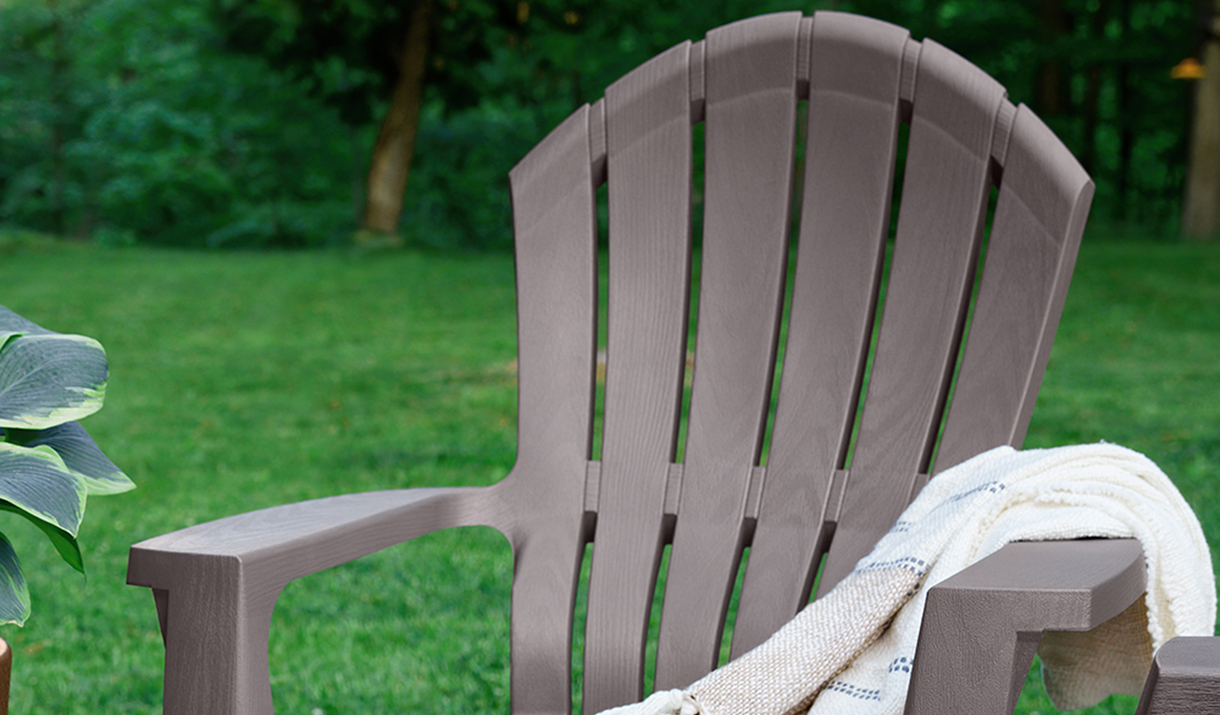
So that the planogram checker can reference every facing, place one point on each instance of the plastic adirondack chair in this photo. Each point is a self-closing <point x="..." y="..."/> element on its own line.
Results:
<point x="215" y="584"/>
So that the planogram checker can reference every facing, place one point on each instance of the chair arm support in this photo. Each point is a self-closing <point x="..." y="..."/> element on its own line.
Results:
<point x="1184" y="679"/>
<point x="981" y="627"/>
<point x="216" y="583"/>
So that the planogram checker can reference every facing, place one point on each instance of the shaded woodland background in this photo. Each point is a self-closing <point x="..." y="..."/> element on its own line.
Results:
<point x="303" y="123"/>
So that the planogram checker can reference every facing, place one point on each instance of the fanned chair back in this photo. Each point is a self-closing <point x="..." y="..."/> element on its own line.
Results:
<point x="802" y="504"/>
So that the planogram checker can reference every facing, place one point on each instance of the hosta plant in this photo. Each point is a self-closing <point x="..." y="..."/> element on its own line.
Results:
<point x="48" y="463"/>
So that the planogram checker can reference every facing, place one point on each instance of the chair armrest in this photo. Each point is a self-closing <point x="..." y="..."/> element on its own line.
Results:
<point x="981" y="627"/>
<point x="1185" y="678"/>
<point x="216" y="584"/>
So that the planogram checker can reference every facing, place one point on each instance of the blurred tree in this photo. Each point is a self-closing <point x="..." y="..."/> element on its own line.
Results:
<point x="1053" y="91"/>
<point x="1201" y="213"/>
<point x="530" y="60"/>
<point x="1091" y="104"/>
<point x="39" y="46"/>
<point x="356" y="53"/>
<point x="1126" y="131"/>
<point x="396" y="142"/>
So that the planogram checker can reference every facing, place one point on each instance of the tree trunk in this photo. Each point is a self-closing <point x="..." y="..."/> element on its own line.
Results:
<point x="391" y="160"/>
<point x="1126" y="116"/>
<point x="59" y="103"/>
<point x="1092" y="91"/>
<point x="1052" y="87"/>
<point x="1201" y="213"/>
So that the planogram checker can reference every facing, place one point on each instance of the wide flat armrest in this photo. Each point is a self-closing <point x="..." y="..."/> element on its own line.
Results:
<point x="1185" y="678"/>
<point x="306" y="537"/>
<point x="215" y="584"/>
<point x="981" y="627"/>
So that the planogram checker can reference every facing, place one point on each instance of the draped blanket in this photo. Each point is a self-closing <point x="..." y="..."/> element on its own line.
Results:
<point x="851" y="650"/>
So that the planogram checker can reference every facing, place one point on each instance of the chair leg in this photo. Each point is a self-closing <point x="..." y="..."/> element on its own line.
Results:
<point x="982" y="626"/>
<point x="950" y="677"/>
<point x="1184" y="679"/>
<point x="216" y="631"/>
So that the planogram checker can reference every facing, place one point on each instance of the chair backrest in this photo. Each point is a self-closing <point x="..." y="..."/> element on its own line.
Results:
<point x="803" y="500"/>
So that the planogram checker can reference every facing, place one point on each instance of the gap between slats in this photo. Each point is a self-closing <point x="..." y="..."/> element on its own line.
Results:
<point x="932" y="467"/>
<point x="688" y="370"/>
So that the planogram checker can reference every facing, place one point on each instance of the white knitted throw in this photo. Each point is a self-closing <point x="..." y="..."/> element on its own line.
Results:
<point x="851" y="650"/>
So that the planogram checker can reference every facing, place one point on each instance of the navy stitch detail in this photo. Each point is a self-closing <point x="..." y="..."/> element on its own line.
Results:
<point x="992" y="487"/>
<point x="908" y="563"/>
<point x="852" y="691"/>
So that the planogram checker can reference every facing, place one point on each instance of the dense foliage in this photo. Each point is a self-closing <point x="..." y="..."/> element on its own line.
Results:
<point x="250" y="124"/>
<point x="121" y="120"/>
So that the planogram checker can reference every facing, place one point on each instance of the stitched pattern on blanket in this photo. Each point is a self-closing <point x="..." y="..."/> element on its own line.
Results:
<point x="852" y="691"/>
<point x="786" y="673"/>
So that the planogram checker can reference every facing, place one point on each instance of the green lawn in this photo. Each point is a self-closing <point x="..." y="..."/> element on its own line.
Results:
<point x="245" y="380"/>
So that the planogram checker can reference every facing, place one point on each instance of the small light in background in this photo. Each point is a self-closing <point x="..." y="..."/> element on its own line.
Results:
<point x="1188" y="68"/>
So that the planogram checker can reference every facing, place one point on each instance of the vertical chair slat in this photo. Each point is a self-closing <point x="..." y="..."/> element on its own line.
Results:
<point x="944" y="204"/>
<point x="556" y="264"/>
<point x="856" y="65"/>
<point x="1044" y="199"/>
<point x="750" y="137"/>
<point x="648" y="127"/>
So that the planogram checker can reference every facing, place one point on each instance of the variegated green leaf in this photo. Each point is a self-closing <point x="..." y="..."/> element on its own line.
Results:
<point x="14" y="593"/>
<point x="80" y="453"/>
<point x="47" y="379"/>
<point x="10" y="322"/>
<point x="63" y="542"/>
<point x="36" y="481"/>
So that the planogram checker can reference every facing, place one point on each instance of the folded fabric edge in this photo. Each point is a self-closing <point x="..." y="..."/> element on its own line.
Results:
<point x="663" y="702"/>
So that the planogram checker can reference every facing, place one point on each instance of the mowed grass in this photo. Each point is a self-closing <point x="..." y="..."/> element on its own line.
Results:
<point x="240" y="381"/>
<point x="245" y="381"/>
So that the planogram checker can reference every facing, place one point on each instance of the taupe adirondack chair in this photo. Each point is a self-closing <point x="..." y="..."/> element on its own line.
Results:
<point x="215" y="584"/>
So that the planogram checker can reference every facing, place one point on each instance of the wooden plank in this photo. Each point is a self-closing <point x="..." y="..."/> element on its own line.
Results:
<point x="944" y="203"/>
<point x="750" y="141"/>
<point x="556" y="263"/>
<point x="852" y="138"/>
<point x="648" y="127"/>
<point x="1044" y="199"/>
